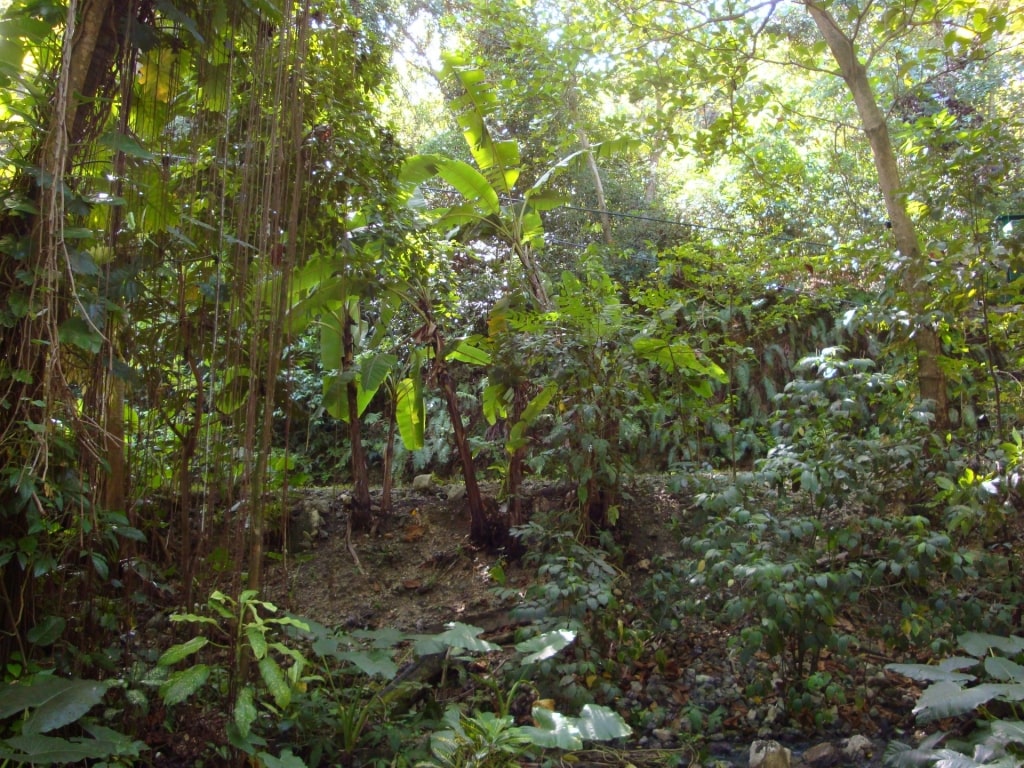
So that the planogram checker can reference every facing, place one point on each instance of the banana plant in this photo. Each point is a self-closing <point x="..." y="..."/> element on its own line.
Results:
<point x="493" y="207"/>
<point x="355" y="363"/>
<point x="492" y="204"/>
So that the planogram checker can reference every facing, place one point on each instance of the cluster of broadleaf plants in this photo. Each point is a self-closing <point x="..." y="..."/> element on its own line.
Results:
<point x="290" y="692"/>
<point x="987" y="683"/>
<point x="834" y="521"/>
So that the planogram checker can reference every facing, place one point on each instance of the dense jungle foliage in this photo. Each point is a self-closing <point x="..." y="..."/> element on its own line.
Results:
<point x="769" y="253"/>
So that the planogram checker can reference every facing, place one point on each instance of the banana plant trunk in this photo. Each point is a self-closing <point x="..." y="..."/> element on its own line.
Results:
<point x="362" y="516"/>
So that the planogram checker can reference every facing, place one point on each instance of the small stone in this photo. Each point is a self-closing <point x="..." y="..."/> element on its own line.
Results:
<point x="858" y="747"/>
<point x="821" y="755"/>
<point x="662" y="734"/>
<point x="456" y="492"/>
<point x="769" y="754"/>
<point x="422" y="483"/>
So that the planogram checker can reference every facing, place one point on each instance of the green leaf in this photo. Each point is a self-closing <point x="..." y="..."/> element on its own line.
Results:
<point x="930" y="672"/>
<point x="375" y="370"/>
<point x="471" y="184"/>
<point x="186" y="22"/>
<point x="545" y="645"/>
<point x="946" y="699"/>
<point x="286" y="760"/>
<point x="458" y="636"/>
<point x="55" y="701"/>
<point x="598" y="723"/>
<point x="330" y="341"/>
<point x="467" y="352"/>
<point x="49" y="750"/>
<point x="979" y="644"/>
<point x="47" y="632"/>
<point x="76" y="331"/>
<point x="275" y="681"/>
<point x="493" y="403"/>
<point x="410" y="413"/>
<point x="257" y="641"/>
<point x="553" y="731"/>
<point x="538" y="403"/>
<point x="676" y="357"/>
<point x="119" y="142"/>
<point x="1008" y="731"/>
<point x="176" y="653"/>
<point x="245" y="711"/>
<point x="377" y="663"/>
<point x="180" y="685"/>
<point x="1004" y="669"/>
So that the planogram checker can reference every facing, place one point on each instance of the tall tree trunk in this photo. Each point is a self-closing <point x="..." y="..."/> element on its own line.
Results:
<point x="572" y="101"/>
<point x="931" y="380"/>
<point x="40" y="396"/>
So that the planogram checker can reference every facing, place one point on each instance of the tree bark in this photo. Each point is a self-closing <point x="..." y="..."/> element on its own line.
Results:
<point x="931" y="379"/>
<point x="361" y="515"/>
<point x="572" y="101"/>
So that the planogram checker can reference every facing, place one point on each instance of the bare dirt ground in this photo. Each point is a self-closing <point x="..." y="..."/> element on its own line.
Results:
<point x="418" y="571"/>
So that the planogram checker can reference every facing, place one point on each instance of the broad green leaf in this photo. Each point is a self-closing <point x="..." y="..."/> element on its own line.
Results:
<point x="493" y="402"/>
<point x="538" y="403"/>
<point x="245" y="713"/>
<point x="55" y="701"/>
<point x="420" y="168"/>
<point x="458" y="637"/>
<point x="330" y="341"/>
<point x="257" y="641"/>
<point x="181" y="685"/>
<point x="598" y="723"/>
<point x="375" y="370"/>
<point x="335" y="394"/>
<point x="77" y="332"/>
<point x="930" y="672"/>
<point x="47" y="631"/>
<point x="119" y="142"/>
<point x="275" y="681"/>
<point x="176" y="653"/>
<point x="186" y="22"/>
<point x="946" y="699"/>
<point x="471" y="184"/>
<point x="545" y="201"/>
<point x="286" y="760"/>
<point x="376" y="663"/>
<point x="35" y="749"/>
<point x="410" y="413"/>
<point x="553" y="731"/>
<point x="979" y="644"/>
<point x="384" y="637"/>
<point x="545" y="645"/>
<point x="467" y="352"/>
<point x="1004" y="669"/>
<point x="1008" y="730"/>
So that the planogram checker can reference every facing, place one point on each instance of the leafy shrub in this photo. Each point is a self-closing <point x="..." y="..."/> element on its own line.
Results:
<point x="844" y="435"/>
<point x="576" y="592"/>
<point x="788" y="547"/>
